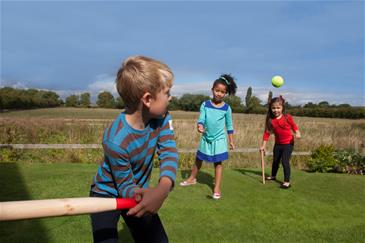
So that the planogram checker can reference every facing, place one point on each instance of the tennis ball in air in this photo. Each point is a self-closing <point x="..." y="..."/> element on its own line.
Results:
<point x="277" y="81"/>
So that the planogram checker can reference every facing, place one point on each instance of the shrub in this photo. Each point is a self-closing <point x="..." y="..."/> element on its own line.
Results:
<point x="326" y="159"/>
<point x="322" y="159"/>
<point x="350" y="162"/>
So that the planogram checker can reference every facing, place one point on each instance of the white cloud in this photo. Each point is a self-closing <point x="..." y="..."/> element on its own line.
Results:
<point x="191" y="88"/>
<point x="103" y="83"/>
<point x="13" y="84"/>
<point x="294" y="97"/>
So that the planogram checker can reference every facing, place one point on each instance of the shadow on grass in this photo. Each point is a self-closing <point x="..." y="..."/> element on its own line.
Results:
<point x="14" y="188"/>
<point x="253" y="174"/>
<point x="202" y="177"/>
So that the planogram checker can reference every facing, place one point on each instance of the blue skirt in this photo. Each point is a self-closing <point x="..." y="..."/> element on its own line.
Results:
<point x="212" y="151"/>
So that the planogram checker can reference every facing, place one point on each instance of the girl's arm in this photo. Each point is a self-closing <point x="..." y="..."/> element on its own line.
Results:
<point x="201" y="119"/>
<point x="297" y="134"/>
<point x="229" y="126"/>
<point x="293" y="126"/>
<point x="231" y="143"/>
<point x="263" y="146"/>
<point x="265" y="138"/>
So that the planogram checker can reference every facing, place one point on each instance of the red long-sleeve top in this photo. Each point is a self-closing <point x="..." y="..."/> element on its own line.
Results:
<point x="282" y="128"/>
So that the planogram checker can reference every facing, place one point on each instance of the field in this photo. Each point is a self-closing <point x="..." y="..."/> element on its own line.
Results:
<point x="86" y="126"/>
<point x="318" y="208"/>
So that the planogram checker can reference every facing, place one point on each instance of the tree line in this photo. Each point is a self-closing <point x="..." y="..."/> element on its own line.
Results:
<point x="11" y="98"/>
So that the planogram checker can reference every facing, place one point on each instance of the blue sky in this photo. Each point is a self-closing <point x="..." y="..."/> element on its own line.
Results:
<point x="77" y="46"/>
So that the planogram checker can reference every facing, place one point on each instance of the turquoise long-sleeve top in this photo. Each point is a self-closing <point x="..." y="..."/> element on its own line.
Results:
<point x="216" y="120"/>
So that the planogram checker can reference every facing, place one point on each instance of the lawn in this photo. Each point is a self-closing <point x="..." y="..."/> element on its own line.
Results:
<point x="318" y="207"/>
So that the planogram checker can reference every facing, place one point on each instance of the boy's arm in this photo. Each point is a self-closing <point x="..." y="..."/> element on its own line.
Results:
<point x="167" y="152"/>
<point x="121" y="169"/>
<point x="151" y="199"/>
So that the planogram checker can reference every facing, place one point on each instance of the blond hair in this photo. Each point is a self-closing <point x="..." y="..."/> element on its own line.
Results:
<point x="139" y="75"/>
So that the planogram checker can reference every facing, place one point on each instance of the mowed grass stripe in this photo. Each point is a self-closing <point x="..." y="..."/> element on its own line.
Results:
<point x="318" y="208"/>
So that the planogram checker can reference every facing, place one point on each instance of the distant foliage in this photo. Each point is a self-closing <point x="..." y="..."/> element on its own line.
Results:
<point x="72" y="101"/>
<point x="330" y="112"/>
<point x="119" y="103"/>
<point x="105" y="100"/>
<point x="85" y="100"/>
<point x="174" y="104"/>
<point x="11" y="98"/>
<point x="235" y="103"/>
<point x="190" y="102"/>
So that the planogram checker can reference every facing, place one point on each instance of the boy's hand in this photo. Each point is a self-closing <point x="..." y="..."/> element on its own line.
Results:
<point x="262" y="148"/>
<point x="201" y="128"/>
<point x="151" y="199"/>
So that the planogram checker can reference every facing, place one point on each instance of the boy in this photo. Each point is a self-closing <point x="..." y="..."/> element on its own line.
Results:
<point x="145" y="127"/>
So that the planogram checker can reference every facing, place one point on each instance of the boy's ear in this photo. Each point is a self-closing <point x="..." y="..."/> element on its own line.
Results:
<point x="146" y="99"/>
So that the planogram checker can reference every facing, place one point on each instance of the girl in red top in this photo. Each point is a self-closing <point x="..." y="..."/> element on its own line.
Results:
<point x="282" y="125"/>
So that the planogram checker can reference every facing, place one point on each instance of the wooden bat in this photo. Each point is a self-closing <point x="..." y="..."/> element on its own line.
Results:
<point x="263" y="165"/>
<point x="29" y="209"/>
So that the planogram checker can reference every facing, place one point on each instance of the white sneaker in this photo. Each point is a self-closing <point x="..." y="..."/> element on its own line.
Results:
<point x="216" y="195"/>
<point x="187" y="183"/>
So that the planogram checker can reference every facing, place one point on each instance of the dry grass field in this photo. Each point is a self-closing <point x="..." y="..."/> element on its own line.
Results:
<point x="85" y="126"/>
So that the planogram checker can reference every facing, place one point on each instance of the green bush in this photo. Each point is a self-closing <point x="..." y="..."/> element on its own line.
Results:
<point x="326" y="159"/>
<point x="350" y="162"/>
<point x="322" y="159"/>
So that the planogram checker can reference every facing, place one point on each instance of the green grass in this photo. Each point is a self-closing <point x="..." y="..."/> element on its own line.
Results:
<point x="318" y="207"/>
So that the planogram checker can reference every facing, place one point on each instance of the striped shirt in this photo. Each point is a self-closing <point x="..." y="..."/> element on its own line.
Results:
<point x="129" y="153"/>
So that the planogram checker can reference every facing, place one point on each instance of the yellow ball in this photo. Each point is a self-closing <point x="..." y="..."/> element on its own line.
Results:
<point x="277" y="81"/>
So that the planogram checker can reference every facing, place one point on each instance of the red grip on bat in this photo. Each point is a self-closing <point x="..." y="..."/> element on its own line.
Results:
<point x="126" y="203"/>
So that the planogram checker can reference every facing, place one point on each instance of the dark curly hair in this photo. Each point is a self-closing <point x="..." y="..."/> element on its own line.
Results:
<point x="227" y="80"/>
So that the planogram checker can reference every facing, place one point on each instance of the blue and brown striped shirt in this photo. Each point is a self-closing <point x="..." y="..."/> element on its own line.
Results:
<point x="130" y="154"/>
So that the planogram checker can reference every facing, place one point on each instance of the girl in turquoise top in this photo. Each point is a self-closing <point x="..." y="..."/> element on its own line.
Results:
<point x="214" y="121"/>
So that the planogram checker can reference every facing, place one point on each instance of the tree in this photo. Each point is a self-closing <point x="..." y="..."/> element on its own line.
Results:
<point x="72" y="101"/>
<point x="248" y="96"/>
<point x="234" y="102"/>
<point x="85" y="99"/>
<point x="310" y="105"/>
<point x="344" y="106"/>
<point x="255" y="106"/>
<point x="269" y="97"/>
<point x="174" y="104"/>
<point x="323" y="104"/>
<point x="119" y="103"/>
<point x="190" y="102"/>
<point x="50" y="99"/>
<point x="105" y="100"/>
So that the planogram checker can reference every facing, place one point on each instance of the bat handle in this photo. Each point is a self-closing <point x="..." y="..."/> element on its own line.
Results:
<point x="125" y="203"/>
<point x="263" y="165"/>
